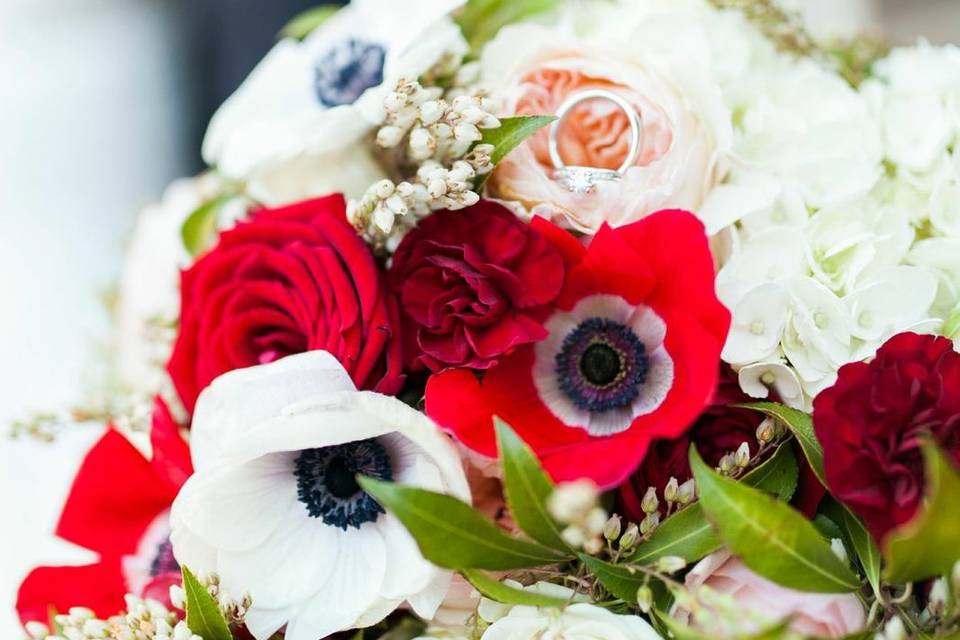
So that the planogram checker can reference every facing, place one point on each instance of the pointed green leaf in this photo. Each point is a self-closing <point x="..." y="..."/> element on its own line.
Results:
<point x="500" y="592"/>
<point x="929" y="544"/>
<point x="306" y="22"/>
<point x="617" y="579"/>
<point x="451" y="534"/>
<point x="199" y="230"/>
<point x="688" y="534"/>
<point x="480" y="20"/>
<point x="801" y="425"/>
<point x="508" y="136"/>
<point x="203" y="615"/>
<point x="860" y="539"/>
<point x="770" y="537"/>
<point x="527" y="488"/>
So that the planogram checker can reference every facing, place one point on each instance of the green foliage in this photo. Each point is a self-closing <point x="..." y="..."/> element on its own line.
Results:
<point x="801" y="425"/>
<point x="480" y="20"/>
<point x="508" y="136"/>
<point x="203" y="615"/>
<point x="688" y="534"/>
<point x="527" y="488"/>
<point x="769" y="536"/>
<point x="304" y="23"/>
<point x="500" y="592"/>
<point x="619" y="580"/>
<point x="199" y="230"/>
<point x="451" y="534"/>
<point x="859" y="538"/>
<point x="929" y="545"/>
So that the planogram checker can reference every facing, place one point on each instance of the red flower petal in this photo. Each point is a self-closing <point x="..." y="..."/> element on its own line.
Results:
<point x="48" y="590"/>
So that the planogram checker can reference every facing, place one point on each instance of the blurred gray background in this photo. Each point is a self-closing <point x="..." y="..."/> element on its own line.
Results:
<point x="102" y="103"/>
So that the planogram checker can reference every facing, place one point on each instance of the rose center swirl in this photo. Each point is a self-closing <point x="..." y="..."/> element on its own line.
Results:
<point x="327" y="484"/>
<point x="602" y="365"/>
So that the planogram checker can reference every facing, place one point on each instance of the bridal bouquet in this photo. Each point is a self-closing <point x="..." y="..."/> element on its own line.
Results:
<point x="530" y="319"/>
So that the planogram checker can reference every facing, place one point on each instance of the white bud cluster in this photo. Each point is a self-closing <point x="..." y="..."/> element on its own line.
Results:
<point x="734" y="462"/>
<point x="145" y="619"/>
<point x="437" y="133"/>
<point x="234" y="611"/>
<point x="575" y="505"/>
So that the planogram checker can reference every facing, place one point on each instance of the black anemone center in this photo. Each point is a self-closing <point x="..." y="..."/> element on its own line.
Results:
<point x="327" y="484"/>
<point x="348" y="69"/>
<point x="340" y="480"/>
<point x="600" y="364"/>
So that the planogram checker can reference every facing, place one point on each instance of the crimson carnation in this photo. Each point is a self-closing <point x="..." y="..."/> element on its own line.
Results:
<point x="871" y="424"/>
<point x="631" y="354"/>
<point x="473" y="284"/>
<point x="292" y="279"/>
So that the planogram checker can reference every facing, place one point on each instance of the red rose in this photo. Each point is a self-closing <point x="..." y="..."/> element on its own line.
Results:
<point x="631" y="354"/>
<point x="473" y="284"/>
<point x="871" y="422"/>
<point x="290" y="280"/>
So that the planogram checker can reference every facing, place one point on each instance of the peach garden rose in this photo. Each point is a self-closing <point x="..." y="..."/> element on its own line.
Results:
<point x="686" y="130"/>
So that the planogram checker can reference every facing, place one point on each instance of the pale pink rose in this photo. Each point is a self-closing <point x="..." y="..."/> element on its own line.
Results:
<point x="686" y="125"/>
<point x="761" y="602"/>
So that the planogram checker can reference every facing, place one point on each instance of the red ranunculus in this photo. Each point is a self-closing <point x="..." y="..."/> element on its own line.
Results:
<point x="473" y="285"/>
<point x="631" y="355"/>
<point x="290" y="280"/>
<point x="871" y="424"/>
<point x="119" y="507"/>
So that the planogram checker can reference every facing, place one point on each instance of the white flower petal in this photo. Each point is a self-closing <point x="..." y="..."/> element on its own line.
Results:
<point x="757" y="323"/>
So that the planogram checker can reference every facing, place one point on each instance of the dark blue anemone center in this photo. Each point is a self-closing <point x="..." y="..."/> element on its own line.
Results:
<point x="348" y="69"/>
<point x="164" y="562"/>
<point x="602" y="365"/>
<point x="327" y="482"/>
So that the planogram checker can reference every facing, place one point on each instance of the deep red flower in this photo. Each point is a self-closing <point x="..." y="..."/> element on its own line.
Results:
<point x="632" y="354"/>
<point x="871" y="424"/>
<point x="473" y="284"/>
<point x="118" y="507"/>
<point x="290" y="280"/>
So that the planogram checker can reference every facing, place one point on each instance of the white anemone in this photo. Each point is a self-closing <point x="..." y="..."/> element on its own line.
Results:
<point x="274" y="508"/>
<point x="286" y="128"/>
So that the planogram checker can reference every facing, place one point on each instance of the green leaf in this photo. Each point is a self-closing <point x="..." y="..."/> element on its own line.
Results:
<point x="508" y="136"/>
<point x="527" y="488"/>
<point x="619" y="580"/>
<point x="769" y="536"/>
<point x="305" y="23"/>
<point x="801" y="425"/>
<point x="199" y="230"/>
<point x="451" y="534"/>
<point x="929" y="544"/>
<point x="688" y="534"/>
<point x="863" y="544"/>
<point x="203" y="615"/>
<point x="500" y="592"/>
<point x="480" y="20"/>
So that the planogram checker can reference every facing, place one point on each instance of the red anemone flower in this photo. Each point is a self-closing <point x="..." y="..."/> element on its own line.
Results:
<point x="632" y="354"/>
<point x="118" y="507"/>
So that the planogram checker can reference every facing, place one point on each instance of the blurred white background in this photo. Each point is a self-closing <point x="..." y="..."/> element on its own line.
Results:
<point x="99" y="109"/>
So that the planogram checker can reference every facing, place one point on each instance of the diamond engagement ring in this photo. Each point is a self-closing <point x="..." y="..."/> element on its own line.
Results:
<point x="584" y="179"/>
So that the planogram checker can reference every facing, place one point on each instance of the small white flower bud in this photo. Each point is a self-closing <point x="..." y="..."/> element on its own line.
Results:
<point x="671" y="564"/>
<point x="95" y="628"/>
<point x="422" y="144"/>
<point x="389" y="136"/>
<point x="383" y="189"/>
<point x="742" y="456"/>
<point x="573" y="536"/>
<point x="383" y="219"/>
<point x="670" y="491"/>
<point x="727" y="464"/>
<point x="595" y="521"/>
<point x="645" y="598"/>
<point x="466" y="132"/>
<point x="649" y="503"/>
<point x="611" y="530"/>
<point x="37" y="630"/>
<point x="593" y="545"/>
<point x="894" y="629"/>
<point x="396" y="204"/>
<point x="939" y="595"/>
<point x="629" y="537"/>
<point x="651" y="522"/>
<point x="571" y="501"/>
<point x="394" y="102"/>
<point x="836" y="545"/>
<point x="469" y="198"/>
<point x="767" y="431"/>
<point x="437" y="188"/>
<point x="81" y="612"/>
<point x="431" y="111"/>
<point x="687" y="492"/>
